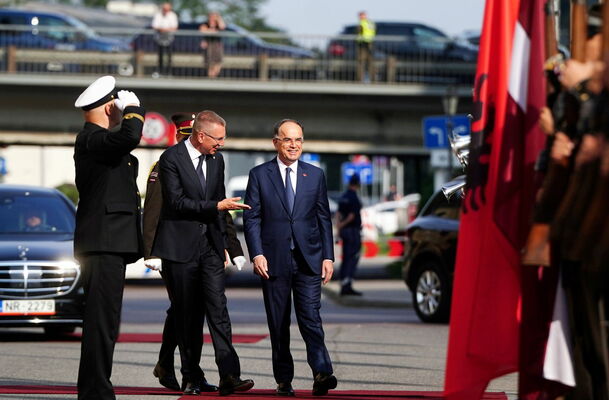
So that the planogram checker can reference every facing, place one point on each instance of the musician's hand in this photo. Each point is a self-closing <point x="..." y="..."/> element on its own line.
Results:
<point x="546" y="121"/>
<point x="561" y="148"/>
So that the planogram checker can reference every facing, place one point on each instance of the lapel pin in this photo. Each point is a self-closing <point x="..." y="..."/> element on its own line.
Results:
<point x="303" y="174"/>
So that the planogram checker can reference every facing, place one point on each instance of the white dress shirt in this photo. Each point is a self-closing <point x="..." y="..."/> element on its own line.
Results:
<point x="194" y="156"/>
<point x="294" y="173"/>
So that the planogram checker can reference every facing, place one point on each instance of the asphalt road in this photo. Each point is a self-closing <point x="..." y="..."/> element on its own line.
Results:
<point x="371" y="348"/>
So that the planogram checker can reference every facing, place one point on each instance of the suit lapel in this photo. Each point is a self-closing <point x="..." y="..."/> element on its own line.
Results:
<point x="277" y="182"/>
<point x="187" y="165"/>
<point x="301" y="182"/>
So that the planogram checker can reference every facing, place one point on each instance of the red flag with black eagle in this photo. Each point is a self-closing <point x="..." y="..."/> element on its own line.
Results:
<point x="506" y="140"/>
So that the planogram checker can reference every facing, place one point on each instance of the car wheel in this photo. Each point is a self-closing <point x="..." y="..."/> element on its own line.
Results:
<point x="431" y="294"/>
<point x="58" y="330"/>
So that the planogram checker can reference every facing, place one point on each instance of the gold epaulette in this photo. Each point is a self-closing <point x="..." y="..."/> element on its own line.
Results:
<point x="134" y="115"/>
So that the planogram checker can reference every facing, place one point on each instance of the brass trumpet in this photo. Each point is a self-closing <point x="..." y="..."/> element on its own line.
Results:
<point x="460" y="147"/>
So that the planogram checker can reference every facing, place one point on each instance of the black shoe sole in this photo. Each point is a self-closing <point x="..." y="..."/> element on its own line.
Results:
<point x="321" y="389"/>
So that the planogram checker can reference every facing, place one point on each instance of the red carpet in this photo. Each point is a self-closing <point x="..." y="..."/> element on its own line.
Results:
<point x="252" y="394"/>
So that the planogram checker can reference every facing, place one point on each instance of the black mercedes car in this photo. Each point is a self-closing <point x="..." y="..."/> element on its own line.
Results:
<point x="430" y="257"/>
<point x="40" y="281"/>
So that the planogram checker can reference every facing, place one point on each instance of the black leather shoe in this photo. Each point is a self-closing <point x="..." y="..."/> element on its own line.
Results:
<point x="285" y="389"/>
<point x="322" y="383"/>
<point x="165" y="378"/>
<point x="207" y="387"/>
<point x="192" y="389"/>
<point x="231" y="384"/>
<point x="349" y="291"/>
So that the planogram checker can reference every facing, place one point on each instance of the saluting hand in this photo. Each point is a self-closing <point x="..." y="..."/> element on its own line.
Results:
<point x="232" y="204"/>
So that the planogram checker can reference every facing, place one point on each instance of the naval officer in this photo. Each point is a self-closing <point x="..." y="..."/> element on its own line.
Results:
<point x="108" y="234"/>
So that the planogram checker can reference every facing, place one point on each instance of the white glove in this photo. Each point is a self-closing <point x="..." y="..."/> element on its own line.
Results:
<point x="239" y="262"/>
<point x="126" y="98"/>
<point x="154" y="264"/>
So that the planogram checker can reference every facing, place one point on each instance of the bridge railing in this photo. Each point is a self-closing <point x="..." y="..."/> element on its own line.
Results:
<point x="263" y="57"/>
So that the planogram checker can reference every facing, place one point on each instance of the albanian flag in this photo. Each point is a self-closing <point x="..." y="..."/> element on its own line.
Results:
<point x="506" y="140"/>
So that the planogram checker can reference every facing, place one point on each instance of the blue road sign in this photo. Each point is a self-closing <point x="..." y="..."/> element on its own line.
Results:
<point x="364" y="170"/>
<point x="311" y="158"/>
<point x="435" y="128"/>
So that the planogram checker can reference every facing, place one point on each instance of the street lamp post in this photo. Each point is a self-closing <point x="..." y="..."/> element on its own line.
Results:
<point x="450" y="100"/>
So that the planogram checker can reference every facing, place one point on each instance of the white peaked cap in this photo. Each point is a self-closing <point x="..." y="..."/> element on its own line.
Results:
<point x="99" y="92"/>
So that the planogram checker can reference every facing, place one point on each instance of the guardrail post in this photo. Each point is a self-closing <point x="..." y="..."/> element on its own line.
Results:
<point x="390" y="68"/>
<point x="11" y="59"/>
<point x="263" y="67"/>
<point x="138" y="63"/>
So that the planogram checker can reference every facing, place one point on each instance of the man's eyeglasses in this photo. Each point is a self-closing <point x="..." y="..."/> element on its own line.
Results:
<point x="217" y="140"/>
<point x="288" y="141"/>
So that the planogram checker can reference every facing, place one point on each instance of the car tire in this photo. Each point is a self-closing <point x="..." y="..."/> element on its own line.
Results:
<point x="431" y="292"/>
<point x="58" y="330"/>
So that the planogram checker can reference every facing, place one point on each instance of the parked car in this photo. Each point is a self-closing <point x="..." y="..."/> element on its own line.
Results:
<point x="430" y="252"/>
<point x="389" y="217"/>
<point x="29" y="29"/>
<point x="40" y="281"/>
<point x="237" y="41"/>
<point x="406" y="41"/>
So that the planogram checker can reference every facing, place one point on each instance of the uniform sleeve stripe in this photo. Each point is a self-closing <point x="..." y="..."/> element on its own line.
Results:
<point x="134" y="115"/>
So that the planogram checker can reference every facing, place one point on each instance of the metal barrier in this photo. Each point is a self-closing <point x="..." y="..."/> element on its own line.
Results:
<point x="264" y="56"/>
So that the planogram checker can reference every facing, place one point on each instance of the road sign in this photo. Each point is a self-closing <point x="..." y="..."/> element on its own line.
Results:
<point x="311" y="158"/>
<point x="364" y="170"/>
<point x="435" y="128"/>
<point x="156" y="128"/>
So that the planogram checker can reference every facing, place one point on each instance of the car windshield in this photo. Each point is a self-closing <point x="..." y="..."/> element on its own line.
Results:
<point x="35" y="214"/>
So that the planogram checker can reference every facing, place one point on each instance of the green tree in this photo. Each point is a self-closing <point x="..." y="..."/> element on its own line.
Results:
<point x="245" y="13"/>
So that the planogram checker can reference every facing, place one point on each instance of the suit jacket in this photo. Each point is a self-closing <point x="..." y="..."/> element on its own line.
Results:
<point x="187" y="212"/>
<point x="269" y="225"/>
<point x="108" y="213"/>
<point x="152" y="212"/>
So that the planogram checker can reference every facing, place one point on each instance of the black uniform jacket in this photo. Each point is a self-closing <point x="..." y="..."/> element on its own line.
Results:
<point x="152" y="212"/>
<point x="187" y="212"/>
<point x="108" y="213"/>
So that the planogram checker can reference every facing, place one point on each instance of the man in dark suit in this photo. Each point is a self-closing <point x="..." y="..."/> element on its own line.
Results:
<point x="107" y="235"/>
<point x="288" y="231"/>
<point x="164" y="368"/>
<point x="191" y="240"/>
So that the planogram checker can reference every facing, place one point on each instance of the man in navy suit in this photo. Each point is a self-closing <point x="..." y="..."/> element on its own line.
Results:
<point x="288" y="231"/>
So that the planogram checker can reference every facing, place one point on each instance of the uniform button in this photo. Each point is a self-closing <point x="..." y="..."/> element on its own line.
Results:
<point x="200" y="225"/>
<point x="129" y="163"/>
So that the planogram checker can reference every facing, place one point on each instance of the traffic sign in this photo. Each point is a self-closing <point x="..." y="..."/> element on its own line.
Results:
<point x="435" y="128"/>
<point x="311" y="158"/>
<point x="156" y="128"/>
<point x="364" y="170"/>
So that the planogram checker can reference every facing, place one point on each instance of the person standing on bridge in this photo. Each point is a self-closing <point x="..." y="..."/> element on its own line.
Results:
<point x="366" y="31"/>
<point x="289" y="205"/>
<point x="165" y="23"/>
<point x="107" y="235"/>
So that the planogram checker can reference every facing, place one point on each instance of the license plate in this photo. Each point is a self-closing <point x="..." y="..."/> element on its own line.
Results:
<point x="27" y="307"/>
